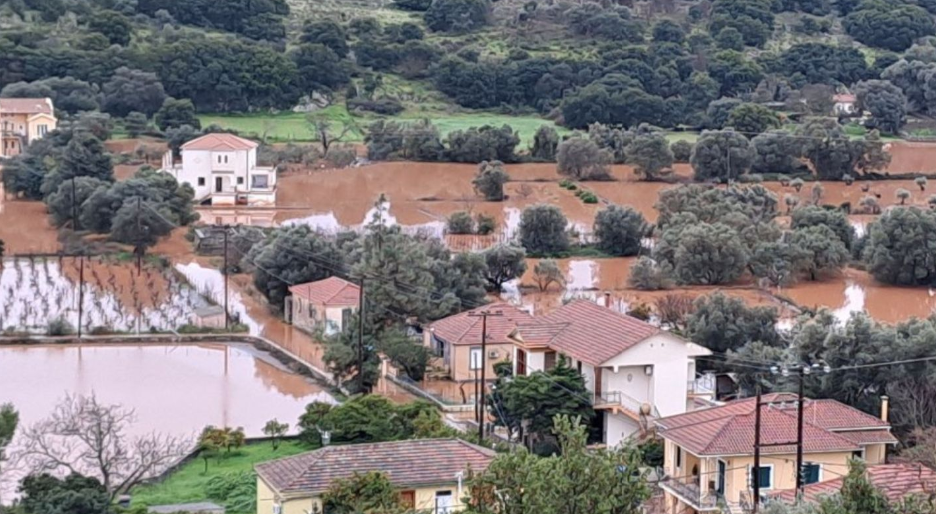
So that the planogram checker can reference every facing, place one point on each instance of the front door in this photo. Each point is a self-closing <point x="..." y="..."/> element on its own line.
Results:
<point x="219" y="184"/>
<point x="722" y="470"/>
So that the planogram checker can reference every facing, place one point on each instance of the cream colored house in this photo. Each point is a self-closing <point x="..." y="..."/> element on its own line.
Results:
<point x="456" y="340"/>
<point x="327" y="304"/>
<point x="22" y="121"/>
<point x="709" y="453"/>
<point x="429" y="474"/>
<point x="222" y="169"/>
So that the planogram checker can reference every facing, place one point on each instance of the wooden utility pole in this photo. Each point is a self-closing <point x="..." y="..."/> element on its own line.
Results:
<point x="484" y="316"/>
<point x="80" y="292"/>
<point x="225" y="271"/>
<point x="799" y="435"/>
<point x="757" y="446"/>
<point x="139" y="247"/>
<point x="361" y="387"/>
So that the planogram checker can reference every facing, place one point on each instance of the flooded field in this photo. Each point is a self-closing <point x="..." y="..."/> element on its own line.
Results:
<point x="222" y="385"/>
<point x="246" y="304"/>
<point x="592" y="279"/>
<point x="34" y="292"/>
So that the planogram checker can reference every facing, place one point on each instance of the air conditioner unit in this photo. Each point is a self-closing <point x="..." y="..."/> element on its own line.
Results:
<point x="493" y="354"/>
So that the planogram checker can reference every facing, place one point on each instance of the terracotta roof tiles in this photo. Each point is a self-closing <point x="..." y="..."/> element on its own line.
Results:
<point x="463" y="328"/>
<point x="896" y="481"/>
<point x="589" y="332"/>
<point x="729" y="429"/>
<point x="330" y="291"/>
<point x="25" y="106"/>
<point x="407" y="464"/>
<point x="219" y="142"/>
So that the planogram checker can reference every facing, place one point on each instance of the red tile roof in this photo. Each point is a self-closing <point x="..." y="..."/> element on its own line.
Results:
<point x="25" y="106"/>
<point x="463" y="328"/>
<point x="220" y="142"/>
<point x="896" y="481"/>
<point x="729" y="429"/>
<point x="408" y="464"/>
<point x="331" y="291"/>
<point x="587" y="332"/>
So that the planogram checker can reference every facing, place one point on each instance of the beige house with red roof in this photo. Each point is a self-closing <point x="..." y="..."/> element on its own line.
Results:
<point x="709" y="453"/>
<point x="22" y="121"/>
<point x="457" y="341"/>
<point x="428" y="473"/>
<point x="326" y="304"/>
<point x="634" y="371"/>
<point x="222" y="169"/>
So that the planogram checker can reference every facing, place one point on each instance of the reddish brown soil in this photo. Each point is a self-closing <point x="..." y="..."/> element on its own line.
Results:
<point x="25" y="228"/>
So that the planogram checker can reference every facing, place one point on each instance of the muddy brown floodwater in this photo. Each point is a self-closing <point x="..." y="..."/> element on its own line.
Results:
<point x="174" y="389"/>
<point x="24" y="226"/>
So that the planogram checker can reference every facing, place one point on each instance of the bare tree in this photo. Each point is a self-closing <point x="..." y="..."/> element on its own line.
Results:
<point x="85" y="436"/>
<point x="324" y="131"/>
<point x="674" y="309"/>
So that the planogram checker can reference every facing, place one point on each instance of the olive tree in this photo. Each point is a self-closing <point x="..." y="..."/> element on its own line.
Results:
<point x="886" y="103"/>
<point x="649" y="275"/>
<point x="650" y="154"/>
<point x="710" y="254"/>
<point x="490" y="180"/>
<point x="504" y="262"/>
<point x="619" y="230"/>
<point x="721" y="155"/>
<point x="820" y="249"/>
<point x="836" y="220"/>
<point x="545" y="143"/>
<point x="583" y="159"/>
<point x="543" y="230"/>
<point x="900" y="247"/>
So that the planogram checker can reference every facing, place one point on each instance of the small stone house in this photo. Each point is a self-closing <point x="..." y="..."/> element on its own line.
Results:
<point x="327" y="303"/>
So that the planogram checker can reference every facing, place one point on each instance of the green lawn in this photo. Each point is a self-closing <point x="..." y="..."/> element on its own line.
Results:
<point x="188" y="483"/>
<point x="291" y="126"/>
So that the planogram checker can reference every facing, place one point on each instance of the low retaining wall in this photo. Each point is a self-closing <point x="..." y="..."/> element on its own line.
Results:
<point x="444" y="407"/>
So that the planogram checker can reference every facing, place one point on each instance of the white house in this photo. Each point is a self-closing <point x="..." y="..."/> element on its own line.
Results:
<point x="222" y="168"/>
<point x="636" y="372"/>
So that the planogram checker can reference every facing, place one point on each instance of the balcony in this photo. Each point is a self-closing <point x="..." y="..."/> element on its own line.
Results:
<point x="703" y="385"/>
<point x="687" y="489"/>
<point x="616" y="400"/>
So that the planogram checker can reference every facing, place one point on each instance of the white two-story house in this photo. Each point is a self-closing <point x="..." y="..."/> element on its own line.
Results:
<point x="222" y="168"/>
<point x="636" y="372"/>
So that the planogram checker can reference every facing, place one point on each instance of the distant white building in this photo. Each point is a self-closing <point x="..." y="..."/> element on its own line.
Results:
<point x="845" y="104"/>
<point x="222" y="168"/>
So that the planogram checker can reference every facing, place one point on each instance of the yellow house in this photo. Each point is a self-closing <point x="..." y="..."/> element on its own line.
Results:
<point x="428" y="473"/>
<point x="709" y="453"/>
<point x="22" y="121"/>
<point x="326" y="304"/>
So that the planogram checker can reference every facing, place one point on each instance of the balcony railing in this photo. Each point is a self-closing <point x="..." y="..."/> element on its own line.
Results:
<point x="688" y="490"/>
<point x="619" y="399"/>
<point x="703" y="385"/>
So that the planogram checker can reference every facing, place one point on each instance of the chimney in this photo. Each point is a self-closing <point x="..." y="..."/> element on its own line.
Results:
<point x="885" y="404"/>
<point x="608" y="299"/>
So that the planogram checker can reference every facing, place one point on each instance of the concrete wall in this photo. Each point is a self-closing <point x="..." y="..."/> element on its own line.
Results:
<point x="618" y="428"/>
<point x="632" y="381"/>
<point x="670" y="357"/>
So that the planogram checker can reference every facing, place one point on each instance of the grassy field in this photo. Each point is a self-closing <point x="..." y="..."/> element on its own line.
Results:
<point x="188" y="483"/>
<point x="292" y="126"/>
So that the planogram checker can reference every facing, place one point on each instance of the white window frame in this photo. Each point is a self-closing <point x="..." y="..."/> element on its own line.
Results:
<point x="475" y="364"/>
